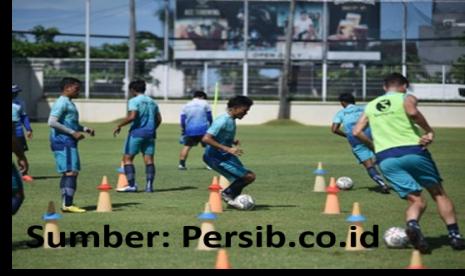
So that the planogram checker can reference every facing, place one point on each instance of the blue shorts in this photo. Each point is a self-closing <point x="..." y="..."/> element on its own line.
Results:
<point x="231" y="167"/>
<point x="67" y="160"/>
<point x="134" y="145"/>
<point x="410" y="172"/>
<point x="362" y="153"/>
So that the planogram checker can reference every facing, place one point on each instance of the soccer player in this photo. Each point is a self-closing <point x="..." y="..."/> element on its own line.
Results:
<point x="17" y="192"/>
<point x="220" y="154"/>
<point x="403" y="158"/>
<point x="348" y="117"/>
<point x="65" y="133"/>
<point x="20" y="119"/>
<point x="196" y="117"/>
<point x="145" y="117"/>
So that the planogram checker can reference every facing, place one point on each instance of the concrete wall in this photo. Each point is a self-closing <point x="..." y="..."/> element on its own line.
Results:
<point x="308" y="113"/>
<point x="31" y="80"/>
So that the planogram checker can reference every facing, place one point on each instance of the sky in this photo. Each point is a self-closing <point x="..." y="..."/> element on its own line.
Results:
<point x="111" y="17"/>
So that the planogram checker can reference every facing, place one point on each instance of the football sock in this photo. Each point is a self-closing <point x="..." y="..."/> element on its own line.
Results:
<point x="373" y="173"/>
<point x="130" y="172"/>
<point x="150" y="174"/>
<point x="453" y="230"/>
<point x="413" y="223"/>
<point x="68" y="188"/>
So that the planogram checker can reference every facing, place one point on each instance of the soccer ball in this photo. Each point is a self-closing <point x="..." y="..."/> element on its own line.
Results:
<point x="243" y="202"/>
<point x="395" y="237"/>
<point x="344" y="183"/>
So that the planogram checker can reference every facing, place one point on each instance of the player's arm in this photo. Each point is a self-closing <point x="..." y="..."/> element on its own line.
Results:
<point x="132" y="114"/>
<point x="54" y="123"/>
<point x="210" y="140"/>
<point x="410" y="106"/>
<point x="357" y="131"/>
<point x="336" y="129"/>
<point x="27" y="124"/>
<point x="159" y="120"/>
<point x="183" y="123"/>
<point x="18" y="150"/>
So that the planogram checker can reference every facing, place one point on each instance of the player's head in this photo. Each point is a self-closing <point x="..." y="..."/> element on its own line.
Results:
<point x="303" y="15"/>
<point x="239" y="106"/>
<point x="15" y="89"/>
<point x="395" y="82"/>
<point x="137" y="87"/>
<point x="200" y="94"/>
<point x="346" y="98"/>
<point x="70" y="87"/>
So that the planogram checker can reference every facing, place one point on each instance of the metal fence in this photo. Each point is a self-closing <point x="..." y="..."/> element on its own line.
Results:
<point x="364" y="80"/>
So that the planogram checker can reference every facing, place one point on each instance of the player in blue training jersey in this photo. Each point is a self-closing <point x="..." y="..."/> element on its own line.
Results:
<point x="65" y="134"/>
<point x="220" y="154"/>
<point x="20" y="119"/>
<point x="348" y="118"/>
<point x="196" y="117"/>
<point x="17" y="191"/>
<point x="145" y="117"/>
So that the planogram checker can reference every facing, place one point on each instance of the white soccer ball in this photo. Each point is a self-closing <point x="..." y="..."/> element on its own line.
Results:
<point x="395" y="237"/>
<point x="243" y="202"/>
<point x="344" y="183"/>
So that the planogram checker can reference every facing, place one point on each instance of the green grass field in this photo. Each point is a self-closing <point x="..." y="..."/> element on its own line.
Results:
<point x="283" y="158"/>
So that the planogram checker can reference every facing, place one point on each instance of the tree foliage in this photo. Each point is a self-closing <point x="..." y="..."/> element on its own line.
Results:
<point x="148" y="46"/>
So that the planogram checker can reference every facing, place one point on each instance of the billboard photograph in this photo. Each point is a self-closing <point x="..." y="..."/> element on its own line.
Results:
<point x="352" y="26"/>
<point x="214" y="29"/>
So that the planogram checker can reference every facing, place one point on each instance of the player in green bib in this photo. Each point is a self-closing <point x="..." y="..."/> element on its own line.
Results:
<point x="403" y="158"/>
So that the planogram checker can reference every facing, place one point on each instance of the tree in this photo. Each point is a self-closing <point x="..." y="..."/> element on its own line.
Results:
<point x="284" y="103"/>
<point x="458" y="67"/>
<point x="43" y="34"/>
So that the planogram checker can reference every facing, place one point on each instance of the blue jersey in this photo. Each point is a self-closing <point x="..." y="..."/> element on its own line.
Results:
<point x="144" y="125"/>
<point x="196" y="116"/>
<point x="18" y="117"/>
<point x="68" y="115"/>
<point x="348" y="117"/>
<point x="223" y="129"/>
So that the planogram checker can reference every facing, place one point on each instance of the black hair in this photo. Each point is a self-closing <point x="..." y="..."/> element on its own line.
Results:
<point x="240" y="101"/>
<point x="200" y="94"/>
<point x="395" y="79"/>
<point x="347" y="97"/>
<point x="137" y="85"/>
<point x="67" y="81"/>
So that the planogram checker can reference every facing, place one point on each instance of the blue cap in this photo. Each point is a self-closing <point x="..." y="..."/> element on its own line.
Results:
<point x="15" y="88"/>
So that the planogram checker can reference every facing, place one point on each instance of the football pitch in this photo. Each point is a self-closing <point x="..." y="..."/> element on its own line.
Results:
<point x="283" y="156"/>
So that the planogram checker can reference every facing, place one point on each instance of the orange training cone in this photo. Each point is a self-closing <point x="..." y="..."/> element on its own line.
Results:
<point x="222" y="261"/>
<point x="332" y="200"/>
<point x="215" y="196"/>
<point x="104" y="201"/>
<point x="214" y="185"/>
<point x="320" y="184"/>
<point x="355" y="229"/>
<point x="122" y="181"/>
<point x="224" y="183"/>
<point x="415" y="261"/>
<point x="51" y="229"/>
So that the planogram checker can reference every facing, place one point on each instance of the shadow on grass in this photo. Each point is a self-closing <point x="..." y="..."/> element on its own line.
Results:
<point x="261" y="207"/>
<point x="115" y="206"/>
<point x="374" y="189"/>
<point x="182" y="188"/>
<point x="437" y="242"/>
<point x="32" y="244"/>
<point x="46" y="177"/>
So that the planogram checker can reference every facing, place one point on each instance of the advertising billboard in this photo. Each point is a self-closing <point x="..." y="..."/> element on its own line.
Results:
<point x="351" y="27"/>
<point x="214" y="29"/>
